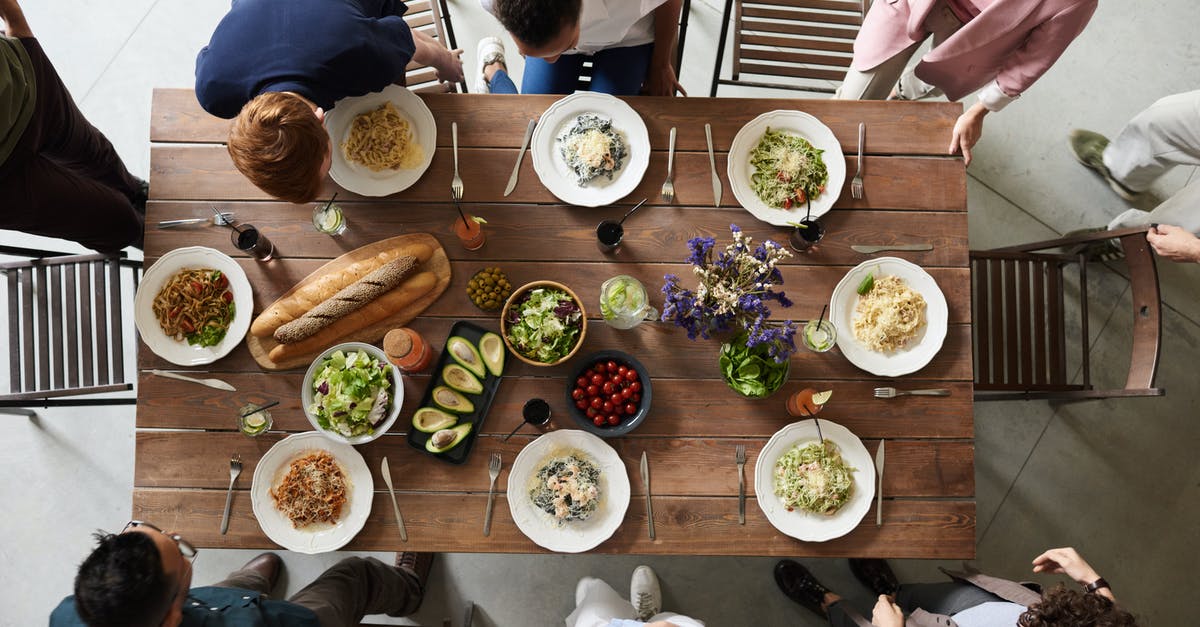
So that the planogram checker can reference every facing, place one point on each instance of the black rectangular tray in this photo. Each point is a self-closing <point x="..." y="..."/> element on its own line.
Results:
<point x="482" y="401"/>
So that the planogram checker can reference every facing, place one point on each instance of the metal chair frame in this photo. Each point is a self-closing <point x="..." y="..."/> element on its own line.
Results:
<point x="431" y="17"/>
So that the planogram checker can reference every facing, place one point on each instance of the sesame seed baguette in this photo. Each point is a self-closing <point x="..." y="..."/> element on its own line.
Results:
<point x="349" y="299"/>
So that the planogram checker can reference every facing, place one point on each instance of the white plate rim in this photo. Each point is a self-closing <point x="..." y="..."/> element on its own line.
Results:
<point x="181" y="353"/>
<point x="361" y="180"/>
<point x="550" y="169"/>
<point x="804" y="525"/>
<point x="738" y="167"/>
<point x="615" y="492"/>
<point x="277" y="527"/>
<point x="905" y="360"/>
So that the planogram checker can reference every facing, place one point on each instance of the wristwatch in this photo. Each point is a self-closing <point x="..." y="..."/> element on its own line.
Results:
<point x="1096" y="585"/>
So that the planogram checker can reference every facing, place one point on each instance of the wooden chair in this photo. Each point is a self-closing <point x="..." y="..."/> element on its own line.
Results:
<point x="585" y="78"/>
<point x="431" y="17"/>
<point x="1019" y="320"/>
<point x="64" y="326"/>
<point x="789" y="44"/>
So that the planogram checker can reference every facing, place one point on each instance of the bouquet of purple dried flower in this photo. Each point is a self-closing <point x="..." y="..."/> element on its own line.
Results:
<point x="734" y="288"/>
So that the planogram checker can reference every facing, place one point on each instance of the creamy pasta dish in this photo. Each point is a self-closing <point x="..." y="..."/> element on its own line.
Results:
<point x="382" y="139"/>
<point x="888" y="316"/>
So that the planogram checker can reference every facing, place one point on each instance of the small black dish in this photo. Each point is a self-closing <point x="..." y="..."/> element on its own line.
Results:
<point x="629" y="423"/>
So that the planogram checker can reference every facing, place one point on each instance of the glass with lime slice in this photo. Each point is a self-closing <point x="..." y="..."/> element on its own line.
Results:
<point x="820" y="335"/>
<point x="328" y="218"/>
<point x="623" y="302"/>
<point x="253" y="421"/>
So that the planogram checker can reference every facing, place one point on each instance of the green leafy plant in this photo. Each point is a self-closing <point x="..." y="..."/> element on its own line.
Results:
<point x="750" y="370"/>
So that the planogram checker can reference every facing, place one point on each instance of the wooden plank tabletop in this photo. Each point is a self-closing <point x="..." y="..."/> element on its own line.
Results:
<point x="915" y="193"/>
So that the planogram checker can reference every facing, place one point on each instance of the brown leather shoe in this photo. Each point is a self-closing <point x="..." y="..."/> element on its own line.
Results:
<point x="876" y="575"/>
<point x="800" y="586"/>
<point x="268" y="565"/>
<point x="418" y="564"/>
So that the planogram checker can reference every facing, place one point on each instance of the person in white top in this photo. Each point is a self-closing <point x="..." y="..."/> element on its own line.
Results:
<point x="631" y="44"/>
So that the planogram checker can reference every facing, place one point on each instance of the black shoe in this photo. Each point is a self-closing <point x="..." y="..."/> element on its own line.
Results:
<point x="876" y="575"/>
<point x="418" y="564"/>
<point x="141" y="196"/>
<point x="800" y="586"/>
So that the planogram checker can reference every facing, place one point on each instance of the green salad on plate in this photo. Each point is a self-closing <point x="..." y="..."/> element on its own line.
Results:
<point x="352" y="393"/>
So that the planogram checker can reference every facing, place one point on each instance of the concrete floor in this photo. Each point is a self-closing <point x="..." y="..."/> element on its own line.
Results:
<point x="1117" y="479"/>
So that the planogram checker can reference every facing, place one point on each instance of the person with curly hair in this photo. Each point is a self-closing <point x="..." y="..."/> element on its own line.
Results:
<point x="970" y="599"/>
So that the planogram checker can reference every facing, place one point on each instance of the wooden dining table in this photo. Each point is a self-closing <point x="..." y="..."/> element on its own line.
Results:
<point x="914" y="193"/>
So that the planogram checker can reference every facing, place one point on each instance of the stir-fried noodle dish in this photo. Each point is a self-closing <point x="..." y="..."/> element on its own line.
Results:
<point x="788" y="170"/>
<point x="195" y="305"/>
<point x="567" y="488"/>
<point x="382" y="139"/>
<point x="889" y="315"/>
<point x="814" y="478"/>
<point x="314" y="490"/>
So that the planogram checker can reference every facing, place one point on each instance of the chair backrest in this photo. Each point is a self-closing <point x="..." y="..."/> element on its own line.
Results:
<point x="432" y="18"/>
<point x="1019" y="320"/>
<point x="65" y="316"/>
<point x="585" y="76"/>
<point x="803" y="45"/>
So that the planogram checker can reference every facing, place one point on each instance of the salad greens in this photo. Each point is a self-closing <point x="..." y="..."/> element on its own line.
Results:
<point x="351" y="393"/>
<point x="750" y="371"/>
<point x="814" y="477"/>
<point x="545" y="324"/>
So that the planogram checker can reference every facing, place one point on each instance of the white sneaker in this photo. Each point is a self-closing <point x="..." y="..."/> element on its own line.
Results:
<point x="644" y="593"/>
<point x="488" y="51"/>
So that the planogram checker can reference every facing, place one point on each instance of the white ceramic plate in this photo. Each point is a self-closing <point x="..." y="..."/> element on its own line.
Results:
<point x="805" y="525"/>
<point x="318" y="538"/>
<point x="797" y="123"/>
<point x="359" y="178"/>
<point x="572" y="537"/>
<point x="919" y="350"/>
<point x="306" y="393"/>
<point x="553" y="171"/>
<point x="153" y="280"/>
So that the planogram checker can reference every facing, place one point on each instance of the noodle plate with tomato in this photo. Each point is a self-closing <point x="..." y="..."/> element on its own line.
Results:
<point x="195" y="305"/>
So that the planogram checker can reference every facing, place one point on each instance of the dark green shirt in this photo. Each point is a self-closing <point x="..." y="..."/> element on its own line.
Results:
<point x="216" y="607"/>
<point x="18" y="93"/>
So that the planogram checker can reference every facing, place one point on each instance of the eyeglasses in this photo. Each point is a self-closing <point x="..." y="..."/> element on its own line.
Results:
<point x="185" y="548"/>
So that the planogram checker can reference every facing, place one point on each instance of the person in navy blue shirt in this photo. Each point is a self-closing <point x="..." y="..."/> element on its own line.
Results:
<point x="276" y="67"/>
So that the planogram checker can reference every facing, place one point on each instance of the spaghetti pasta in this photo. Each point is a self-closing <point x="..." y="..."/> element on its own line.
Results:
<point x="195" y="305"/>
<point x="382" y="139"/>
<point x="889" y="315"/>
<point x="314" y="490"/>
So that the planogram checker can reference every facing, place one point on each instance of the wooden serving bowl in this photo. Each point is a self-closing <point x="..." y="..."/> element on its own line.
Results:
<point x="516" y="296"/>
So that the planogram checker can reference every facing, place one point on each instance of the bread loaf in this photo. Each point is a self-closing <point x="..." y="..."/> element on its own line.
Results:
<point x="350" y="298"/>
<point x="305" y="298"/>
<point x="379" y="309"/>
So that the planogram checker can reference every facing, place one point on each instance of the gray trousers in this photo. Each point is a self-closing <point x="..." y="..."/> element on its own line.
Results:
<point x="349" y="590"/>
<point x="947" y="598"/>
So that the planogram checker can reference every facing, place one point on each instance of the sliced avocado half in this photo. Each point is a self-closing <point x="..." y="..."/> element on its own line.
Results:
<point x="461" y="379"/>
<point x="491" y="347"/>
<point x="447" y="439"/>
<point x="452" y="400"/>
<point x="431" y="419"/>
<point x="463" y="351"/>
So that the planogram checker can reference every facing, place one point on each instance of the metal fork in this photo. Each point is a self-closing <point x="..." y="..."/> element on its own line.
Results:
<point x="893" y="392"/>
<point x="740" y="456"/>
<point x="235" y="469"/>
<point x="668" y="188"/>
<point x="493" y="473"/>
<point x="856" y="185"/>
<point x="456" y="184"/>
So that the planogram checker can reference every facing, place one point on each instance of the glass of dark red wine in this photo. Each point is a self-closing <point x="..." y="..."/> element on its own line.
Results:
<point x="806" y="234"/>
<point x="251" y="241"/>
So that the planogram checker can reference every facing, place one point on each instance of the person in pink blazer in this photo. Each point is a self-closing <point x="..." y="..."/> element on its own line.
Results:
<point x="999" y="46"/>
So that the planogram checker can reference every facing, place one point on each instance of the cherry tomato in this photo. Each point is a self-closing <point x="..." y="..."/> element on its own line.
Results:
<point x="630" y="409"/>
<point x="636" y="386"/>
<point x="631" y="375"/>
<point x="608" y="387"/>
<point x="637" y="398"/>
<point x="607" y="407"/>
<point x="614" y="420"/>
<point x="591" y="412"/>
<point x="616" y="399"/>
<point x="578" y="394"/>
<point x="597" y="379"/>
<point x="597" y="403"/>
<point x="582" y="382"/>
<point x="598" y="421"/>
<point x="593" y="390"/>
<point x="581" y="404"/>
<point x="222" y="282"/>
<point x="626" y="393"/>
<point x="621" y="370"/>
<point x="611" y="366"/>
<point x="197" y="287"/>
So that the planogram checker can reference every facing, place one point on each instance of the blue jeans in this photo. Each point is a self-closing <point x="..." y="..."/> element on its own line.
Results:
<point x="616" y="71"/>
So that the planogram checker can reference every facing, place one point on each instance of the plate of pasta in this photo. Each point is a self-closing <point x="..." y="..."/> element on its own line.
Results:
<point x="891" y="316"/>
<point x="813" y="490"/>
<point x="311" y="494"/>
<point x="193" y="306"/>
<point x="568" y="491"/>
<point x="782" y="160"/>
<point x="382" y="142"/>
<point x="590" y="149"/>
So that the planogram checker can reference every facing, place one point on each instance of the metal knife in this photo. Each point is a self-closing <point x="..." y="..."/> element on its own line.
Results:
<point x="646" y="485"/>
<point x="875" y="249"/>
<point x="879" y="492"/>
<point x="212" y="383"/>
<point x="712" y="161"/>
<point x="512" y="180"/>
<point x="387" y="478"/>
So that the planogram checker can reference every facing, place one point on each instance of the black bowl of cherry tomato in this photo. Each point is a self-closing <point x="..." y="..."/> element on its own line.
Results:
<point x="610" y="394"/>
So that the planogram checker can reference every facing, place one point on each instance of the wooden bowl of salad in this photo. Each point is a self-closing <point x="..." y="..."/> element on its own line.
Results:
<point x="543" y="323"/>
